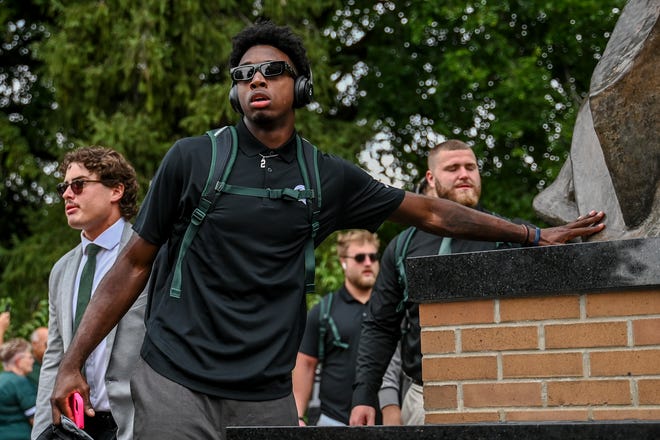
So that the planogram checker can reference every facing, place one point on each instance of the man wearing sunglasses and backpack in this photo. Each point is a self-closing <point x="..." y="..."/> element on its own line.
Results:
<point x="226" y="317"/>
<point x="333" y="331"/>
<point x="100" y="197"/>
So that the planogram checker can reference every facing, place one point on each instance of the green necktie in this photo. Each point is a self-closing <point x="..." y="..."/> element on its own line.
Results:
<point x="445" y="246"/>
<point x="86" y="282"/>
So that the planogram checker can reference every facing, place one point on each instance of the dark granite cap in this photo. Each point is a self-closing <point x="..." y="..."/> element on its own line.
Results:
<point x="504" y="431"/>
<point x="546" y="270"/>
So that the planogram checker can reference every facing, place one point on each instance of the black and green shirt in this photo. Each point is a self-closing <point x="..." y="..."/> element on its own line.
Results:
<point x="236" y="328"/>
<point x="338" y="369"/>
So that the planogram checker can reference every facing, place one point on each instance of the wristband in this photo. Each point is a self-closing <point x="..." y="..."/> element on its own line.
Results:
<point x="526" y="234"/>
<point x="537" y="236"/>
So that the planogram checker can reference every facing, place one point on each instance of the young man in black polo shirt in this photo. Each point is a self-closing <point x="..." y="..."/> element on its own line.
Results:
<point x="357" y="251"/>
<point x="222" y="352"/>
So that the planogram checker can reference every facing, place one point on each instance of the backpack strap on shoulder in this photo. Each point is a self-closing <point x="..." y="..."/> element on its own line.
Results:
<point x="222" y="160"/>
<point x="400" y="253"/>
<point x="325" y="321"/>
<point x="324" y="315"/>
<point x="307" y="156"/>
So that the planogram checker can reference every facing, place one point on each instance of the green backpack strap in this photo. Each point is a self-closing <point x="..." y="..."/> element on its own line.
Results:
<point x="325" y="321"/>
<point x="222" y="161"/>
<point x="307" y="156"/>
<point x="269" y="193"/>
<point x="400" y="253"/>
<point x="324" y="315"/>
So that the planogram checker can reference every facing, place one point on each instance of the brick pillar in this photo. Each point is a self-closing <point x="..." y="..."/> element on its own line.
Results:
<point x="575" y="357"/>
<point x="499" y="354"/>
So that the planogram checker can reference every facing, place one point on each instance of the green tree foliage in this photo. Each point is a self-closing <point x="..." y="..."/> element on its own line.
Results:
<point x="24" y="102"/>
<point x="27" y="148"/>
<point x="390" y="79"/>
<point x="507" y="76"/>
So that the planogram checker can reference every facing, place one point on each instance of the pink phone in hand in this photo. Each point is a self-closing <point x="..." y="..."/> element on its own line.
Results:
<point x="78" y="410"/>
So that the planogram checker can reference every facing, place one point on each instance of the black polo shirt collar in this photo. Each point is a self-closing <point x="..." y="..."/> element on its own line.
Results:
<point x="345" y="294"/>
<point x="251" y="146"/>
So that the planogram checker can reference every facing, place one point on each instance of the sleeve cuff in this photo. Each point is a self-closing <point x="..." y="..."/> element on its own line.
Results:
<point x="388" y="396"/>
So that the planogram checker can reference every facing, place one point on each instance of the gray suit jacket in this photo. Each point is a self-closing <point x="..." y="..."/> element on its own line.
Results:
<point x="122" y="345"/>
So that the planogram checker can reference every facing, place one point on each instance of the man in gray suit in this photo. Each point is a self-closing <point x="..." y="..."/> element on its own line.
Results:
<point x="100" y="196"/>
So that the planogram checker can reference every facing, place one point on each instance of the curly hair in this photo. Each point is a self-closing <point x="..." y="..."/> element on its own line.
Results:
<point x="265" y="32"/>
<point x="112" y="168"/>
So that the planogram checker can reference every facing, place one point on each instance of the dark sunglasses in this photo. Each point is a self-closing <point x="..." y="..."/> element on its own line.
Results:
<point x="269" y="68"/>
<point x="76" y="185"/>
<point x="359" y="258"/>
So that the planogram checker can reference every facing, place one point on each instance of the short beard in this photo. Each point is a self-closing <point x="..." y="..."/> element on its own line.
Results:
<point x="465" y="199"/>
<point x="364" y="283"/>
<point x="470" y="199"/>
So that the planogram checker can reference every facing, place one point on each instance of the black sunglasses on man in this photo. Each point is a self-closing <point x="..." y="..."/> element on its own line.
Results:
<point x="246" y="72"/>
<point x="359" y="258"/>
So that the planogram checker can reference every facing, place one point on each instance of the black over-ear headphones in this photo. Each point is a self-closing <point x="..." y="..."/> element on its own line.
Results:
<point x="303" y="92"/>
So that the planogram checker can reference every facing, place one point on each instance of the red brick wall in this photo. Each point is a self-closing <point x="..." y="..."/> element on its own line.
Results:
<point x="559" y="358"/>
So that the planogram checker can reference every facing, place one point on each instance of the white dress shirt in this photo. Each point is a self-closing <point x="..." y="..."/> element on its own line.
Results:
<point x="96" y="364"/>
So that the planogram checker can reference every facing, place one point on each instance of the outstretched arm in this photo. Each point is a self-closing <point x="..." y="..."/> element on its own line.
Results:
<point x="111" y="300"/>
<point x="444" y="217"/>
